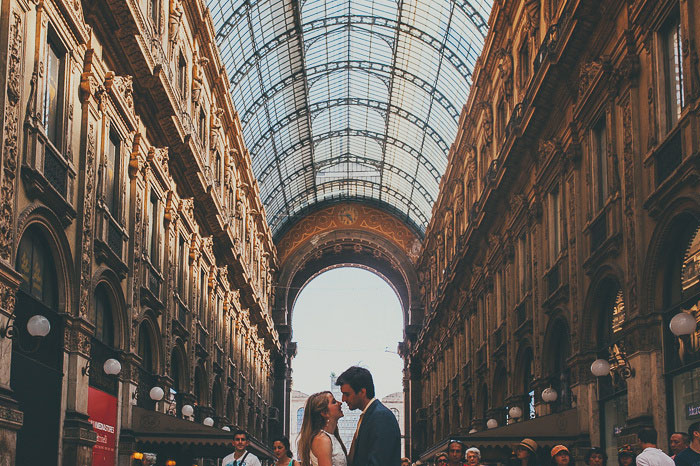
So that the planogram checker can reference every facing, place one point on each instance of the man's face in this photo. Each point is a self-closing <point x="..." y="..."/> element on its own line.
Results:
<point x="405" y="462"/>
<point x="677" y="443"/>
<point x="240" y="442"/>
<point x="596" y="459"/>
<point x="454" y="452"/>
<point x="472" y="458"/>
<point x="355" y="400"/>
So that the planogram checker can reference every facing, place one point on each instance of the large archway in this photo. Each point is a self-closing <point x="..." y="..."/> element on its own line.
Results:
<point x="346" y="234"/>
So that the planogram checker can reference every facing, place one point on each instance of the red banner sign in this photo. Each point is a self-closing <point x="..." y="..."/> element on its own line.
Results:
<point x="102" y="409"/>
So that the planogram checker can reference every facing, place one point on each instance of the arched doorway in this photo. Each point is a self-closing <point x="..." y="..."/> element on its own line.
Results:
<point x="37" y="363"/>
<point x="348" y="316"/>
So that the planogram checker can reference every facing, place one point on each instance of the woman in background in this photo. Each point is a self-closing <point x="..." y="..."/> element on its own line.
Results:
<point x="282" y="452"/>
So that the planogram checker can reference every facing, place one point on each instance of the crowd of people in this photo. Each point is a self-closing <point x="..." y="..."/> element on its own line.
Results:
<point x="377" y="439"/>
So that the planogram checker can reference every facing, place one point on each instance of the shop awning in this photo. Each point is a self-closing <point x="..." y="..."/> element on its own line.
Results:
<point x="547" y="431"/>
<point x="153" y="431"/>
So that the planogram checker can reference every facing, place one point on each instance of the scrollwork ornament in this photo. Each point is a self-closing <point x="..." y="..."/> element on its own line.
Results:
<point x="11" y="136"/>
<point x="87" y="229"/>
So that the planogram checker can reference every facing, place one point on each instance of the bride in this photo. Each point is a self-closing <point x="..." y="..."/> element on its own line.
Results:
<point x="319" y="441"/>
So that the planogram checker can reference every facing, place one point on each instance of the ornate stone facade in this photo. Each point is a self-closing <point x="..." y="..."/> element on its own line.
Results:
<point x="552" y="258"/>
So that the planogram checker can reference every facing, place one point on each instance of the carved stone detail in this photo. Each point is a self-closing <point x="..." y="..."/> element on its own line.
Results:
<point x="10" y="148"/>
<point x="628" y="157"/>
<point x="87" y="227"/>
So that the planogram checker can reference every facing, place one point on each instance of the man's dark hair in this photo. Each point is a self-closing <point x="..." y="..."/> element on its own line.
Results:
<point x="647" y="435"/>
<point x="358" y="378"/>
<point x="694" y="427"/>
<point x="686" y="435"/>
<point x="241" y="432"/>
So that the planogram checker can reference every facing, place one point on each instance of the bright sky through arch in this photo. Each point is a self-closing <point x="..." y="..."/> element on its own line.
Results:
<point x="343" y="317"/>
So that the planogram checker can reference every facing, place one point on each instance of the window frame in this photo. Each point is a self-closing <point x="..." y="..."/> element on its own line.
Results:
<point x="53" y="42"/>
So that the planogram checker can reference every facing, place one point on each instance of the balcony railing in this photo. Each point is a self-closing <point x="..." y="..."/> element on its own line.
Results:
<point x="56" y="171"/>
<point x="668" y="158"/>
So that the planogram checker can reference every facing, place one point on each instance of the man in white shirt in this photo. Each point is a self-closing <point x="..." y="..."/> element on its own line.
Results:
<point x="650" y="455"/>
<point x="240" y="455"/>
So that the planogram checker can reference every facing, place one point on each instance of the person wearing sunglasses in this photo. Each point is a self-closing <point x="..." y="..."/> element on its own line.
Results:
<point x="441" y="459"/>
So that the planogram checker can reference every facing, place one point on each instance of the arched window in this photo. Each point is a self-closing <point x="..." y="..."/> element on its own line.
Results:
<point x="681" y="293"/>
<point x="36" y="266"/>
<point x="612" y="393"/>
<point x="104" y="320"/>
<point x="145" y="349"/>
<point x="300" y="418"/>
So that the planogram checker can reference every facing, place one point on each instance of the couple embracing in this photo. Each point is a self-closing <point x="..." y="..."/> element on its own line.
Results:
<point x="377" y="440"/>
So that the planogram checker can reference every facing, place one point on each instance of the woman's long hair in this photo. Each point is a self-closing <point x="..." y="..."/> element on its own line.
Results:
<point x="313" y="423"/>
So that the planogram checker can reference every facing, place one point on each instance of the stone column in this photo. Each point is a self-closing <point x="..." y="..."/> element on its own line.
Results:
<point x="10" y="415"/>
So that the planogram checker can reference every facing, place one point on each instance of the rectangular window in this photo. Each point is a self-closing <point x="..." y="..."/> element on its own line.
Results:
<point x="202" y="126"/>
<point x="524" y="63"/>
<point x="111" y="190"/>
<point x="523" y="266"/>
<point x="53" y="92"/>
<point x="554" y="226"/>
<point x="673" y="70"/>
<point x="154" y="6"/>
<point x="203" y="295"/>
<point x="599" y="163"/>
<point x="182" y="275"/>
<point x="501" y="115"/>
<point x="153" y="229"/>
<point x="182" y="75"/>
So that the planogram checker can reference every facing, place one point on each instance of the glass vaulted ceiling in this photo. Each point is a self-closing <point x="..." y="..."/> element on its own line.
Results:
<point x="349" y="99"/>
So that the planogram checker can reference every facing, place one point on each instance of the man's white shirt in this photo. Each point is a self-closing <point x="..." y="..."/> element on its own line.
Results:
<point x="250" y="460"/>
<point x="654" y="457"/>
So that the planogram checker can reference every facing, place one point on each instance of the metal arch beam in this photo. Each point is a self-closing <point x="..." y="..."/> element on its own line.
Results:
<point x="346" y="157"/>
<point x="370" y="67"/>
<point x="465" y="6"/>
<point x="379" y="137"/>
<point x="341" y="183"/>
<point x="349" y="20"/>
<point x="370" y="103"/>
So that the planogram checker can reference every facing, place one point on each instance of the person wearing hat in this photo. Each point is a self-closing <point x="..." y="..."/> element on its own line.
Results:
<point x="525" y="453"/>
<point x="405" y="461"/>
<point x="560" y="455"/>
<point x="441" y="459"/>
<point x="625" y="456"/>
<point x="596" y="457"/>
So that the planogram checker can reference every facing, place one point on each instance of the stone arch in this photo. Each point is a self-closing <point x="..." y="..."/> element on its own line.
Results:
<point x="668" y="234"/>
<point x="230" y="412"/>
<point x="201" y="394"/>
<point x="49" y="227"/>
<point x="149" y="325"/>
<point x="178" y="362"/>
<point x="217" y="398"/>
<point x="607" y="278"/>
<point x="108" y="280"/>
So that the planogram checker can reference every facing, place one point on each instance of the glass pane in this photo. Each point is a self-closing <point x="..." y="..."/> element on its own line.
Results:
<point x="686" y="399"/>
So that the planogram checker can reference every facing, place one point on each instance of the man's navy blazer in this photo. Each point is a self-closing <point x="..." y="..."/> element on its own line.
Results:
<point x="379" y="438"/>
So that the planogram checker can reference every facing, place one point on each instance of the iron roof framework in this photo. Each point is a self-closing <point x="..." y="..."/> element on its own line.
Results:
<point x="349" y="99"/>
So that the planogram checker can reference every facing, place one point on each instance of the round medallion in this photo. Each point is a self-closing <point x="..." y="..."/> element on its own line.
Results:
<point x="347" y="215"/>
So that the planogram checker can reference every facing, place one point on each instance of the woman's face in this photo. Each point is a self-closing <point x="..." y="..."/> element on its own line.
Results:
<point x="472" y="458"/>
<point x="522" y="453"/>
<point x="278" y="449"/>
<point x="625" y="460"/>
<point x="596" y="459"/>
<point x="562" y="458"/>
<point x="335" y="410"/>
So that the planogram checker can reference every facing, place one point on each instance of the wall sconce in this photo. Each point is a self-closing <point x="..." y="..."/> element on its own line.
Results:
<point x="549" y="395"/>
<point x="209" y="422"/>
<point x="473" y="431"/>
<point x="111" y="367"/>
<point x="187" y="410"/>
<point x="156" y="393"/>
<point x="491" y="423"/>
<point x="617" y="363"/>
<point x="226" y="428"/>
<point x="683" y="323"/>
<point x="515" y="412"/>
<point x="37" y="326"/>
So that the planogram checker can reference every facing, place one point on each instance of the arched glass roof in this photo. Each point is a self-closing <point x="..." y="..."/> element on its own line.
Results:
<point x="349" y="99"/>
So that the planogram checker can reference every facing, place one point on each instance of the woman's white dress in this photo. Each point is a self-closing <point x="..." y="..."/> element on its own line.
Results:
<point x="337" y="455"/>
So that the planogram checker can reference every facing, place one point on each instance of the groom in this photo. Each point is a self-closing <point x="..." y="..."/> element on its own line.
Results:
<point x="377" y="440"/>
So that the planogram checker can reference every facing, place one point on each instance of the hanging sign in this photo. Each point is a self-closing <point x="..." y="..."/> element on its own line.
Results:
<point x="692" y="410"/>
<point x="102" y="409"/>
